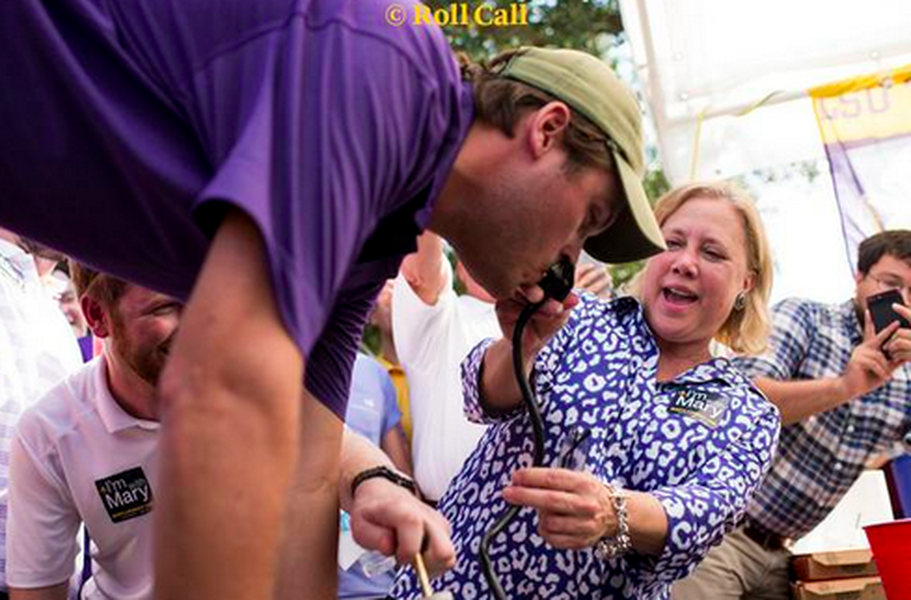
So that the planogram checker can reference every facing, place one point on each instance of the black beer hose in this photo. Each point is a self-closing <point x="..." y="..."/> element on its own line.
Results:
<point x="556" y="284"/>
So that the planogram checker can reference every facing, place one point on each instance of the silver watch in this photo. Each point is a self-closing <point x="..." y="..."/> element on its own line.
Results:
<point x="620" y="543"/>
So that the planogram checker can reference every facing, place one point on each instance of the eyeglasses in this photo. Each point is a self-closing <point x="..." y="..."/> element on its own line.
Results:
<point x="892" y="283"/>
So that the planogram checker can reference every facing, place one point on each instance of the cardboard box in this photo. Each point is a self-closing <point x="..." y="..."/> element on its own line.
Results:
<point x="834" y="565"/>
<point x="861" y="588"/>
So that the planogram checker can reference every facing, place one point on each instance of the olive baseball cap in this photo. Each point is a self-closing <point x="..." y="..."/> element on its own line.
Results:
<point x="589" y="86"/>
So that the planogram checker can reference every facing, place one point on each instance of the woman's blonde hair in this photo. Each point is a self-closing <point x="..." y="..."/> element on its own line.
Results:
<point x="746" y="329"/>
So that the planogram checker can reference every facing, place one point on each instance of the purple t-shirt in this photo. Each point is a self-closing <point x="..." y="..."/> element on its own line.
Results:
<point x="127" y="128"/>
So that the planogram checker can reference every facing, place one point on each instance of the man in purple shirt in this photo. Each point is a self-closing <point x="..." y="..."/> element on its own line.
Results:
<point x="278" y="158"/>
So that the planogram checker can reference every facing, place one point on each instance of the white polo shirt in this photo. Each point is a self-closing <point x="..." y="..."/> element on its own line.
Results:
<point x="78" y="457"/>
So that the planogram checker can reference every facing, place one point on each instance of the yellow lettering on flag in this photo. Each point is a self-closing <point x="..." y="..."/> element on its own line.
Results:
<point x="869" y="107"/>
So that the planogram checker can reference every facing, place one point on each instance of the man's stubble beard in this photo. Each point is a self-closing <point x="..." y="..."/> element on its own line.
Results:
<point x="146" y="363"/>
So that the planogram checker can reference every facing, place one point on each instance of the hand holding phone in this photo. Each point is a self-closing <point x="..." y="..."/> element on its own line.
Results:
<point x="881" y="311"/>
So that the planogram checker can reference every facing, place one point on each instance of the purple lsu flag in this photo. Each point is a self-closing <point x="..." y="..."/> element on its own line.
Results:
<point x="865" y="124"/>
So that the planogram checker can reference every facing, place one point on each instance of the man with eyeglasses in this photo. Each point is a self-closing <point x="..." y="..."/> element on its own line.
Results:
<point x="844" y="393"/>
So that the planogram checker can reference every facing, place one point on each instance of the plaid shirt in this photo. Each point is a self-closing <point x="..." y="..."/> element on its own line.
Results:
<point x="37" y="350"/>
<point x="820" y="457"/>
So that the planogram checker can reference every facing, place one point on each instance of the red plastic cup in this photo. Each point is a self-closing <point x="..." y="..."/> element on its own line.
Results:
<point x="891" y="545"/>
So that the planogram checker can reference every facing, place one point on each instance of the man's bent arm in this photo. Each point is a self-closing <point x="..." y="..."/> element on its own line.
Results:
<point x="231" y="403"/>
<point x="867" y="369"/>
<point x="797" y="400"/>
<point x="309" y="550"/>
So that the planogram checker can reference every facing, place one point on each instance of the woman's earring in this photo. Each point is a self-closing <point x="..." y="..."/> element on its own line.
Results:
<point x="740" y="302"/>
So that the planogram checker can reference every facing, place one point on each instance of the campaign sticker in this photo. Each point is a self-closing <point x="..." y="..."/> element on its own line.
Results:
<point x="126" y="495"/>
<point x="707" y="407"/>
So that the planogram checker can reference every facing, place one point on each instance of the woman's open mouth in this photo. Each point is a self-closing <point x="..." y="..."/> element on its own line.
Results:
<point x="678" y="296"/>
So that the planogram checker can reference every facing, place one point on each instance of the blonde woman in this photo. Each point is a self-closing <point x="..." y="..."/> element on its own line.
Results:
<point x="653" y="445"/>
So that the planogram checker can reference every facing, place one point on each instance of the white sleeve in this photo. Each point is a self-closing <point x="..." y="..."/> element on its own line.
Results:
<point x="430" y="342"/>
<point x="42" y="523"/>
<point x="417" y="326"/>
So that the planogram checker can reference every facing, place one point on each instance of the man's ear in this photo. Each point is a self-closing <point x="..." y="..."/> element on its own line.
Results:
<point x="96" y="317"/>
<point x="546" y="127"/>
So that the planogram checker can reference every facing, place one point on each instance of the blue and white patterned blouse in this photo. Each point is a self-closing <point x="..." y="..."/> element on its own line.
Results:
<point x="699" y="444"/>
<point x="820" y="457"/>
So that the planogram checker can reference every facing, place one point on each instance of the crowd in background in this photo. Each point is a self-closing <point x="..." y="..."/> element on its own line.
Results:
<point x="840" y="387"/>
<point x="247" y="176"/>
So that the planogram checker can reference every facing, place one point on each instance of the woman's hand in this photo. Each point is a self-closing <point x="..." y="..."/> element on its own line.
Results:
<point x="544" y="324"/>
<point x="499" y="391"/>
<point x="595" y="279"/>
<point x="575" y="509"/>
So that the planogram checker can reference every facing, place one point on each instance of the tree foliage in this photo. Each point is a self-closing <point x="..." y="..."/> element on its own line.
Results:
<point x="590" y="25"/>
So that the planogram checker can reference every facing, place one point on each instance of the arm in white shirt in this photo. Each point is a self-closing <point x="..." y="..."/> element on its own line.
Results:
<point x="42" y="524"/>
<point x="423" y="270"/>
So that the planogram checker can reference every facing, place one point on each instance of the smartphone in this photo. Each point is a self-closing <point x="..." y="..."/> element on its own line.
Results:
<point x="558" y="281"/>
<point x="880" y="306"/>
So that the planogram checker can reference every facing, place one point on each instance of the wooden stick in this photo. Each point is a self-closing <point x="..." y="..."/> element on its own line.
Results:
<point x="422" y="575"/>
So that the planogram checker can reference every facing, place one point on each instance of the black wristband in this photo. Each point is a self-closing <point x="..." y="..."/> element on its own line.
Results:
<point x="386" y="473"/>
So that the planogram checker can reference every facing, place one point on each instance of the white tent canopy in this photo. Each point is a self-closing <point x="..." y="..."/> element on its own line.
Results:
<point x="737" y="73"/>
<point x="711" y="60"/>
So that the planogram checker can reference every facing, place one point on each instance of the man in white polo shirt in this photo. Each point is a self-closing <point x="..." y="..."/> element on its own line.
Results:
<point x="86" y="453"/>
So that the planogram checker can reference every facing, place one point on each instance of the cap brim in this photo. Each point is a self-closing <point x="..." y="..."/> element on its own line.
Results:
<point x="635" y="234"/>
